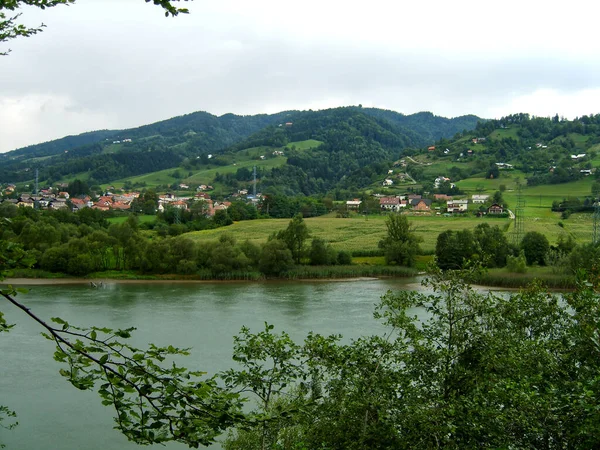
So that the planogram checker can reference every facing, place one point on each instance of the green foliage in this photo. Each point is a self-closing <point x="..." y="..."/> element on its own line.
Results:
<point x="344" y="258"/>
<point x="535" y="246"/>
<point x="275" y="258"/>
<point x="454" y="249"/>
<point x="295" y="236"/>
<point x="485" y="244"/>
<point x="321" y="254"/>
<point x="516" y="264"/>
<point x="476" y="369"/>
<point x="401" y="245"/>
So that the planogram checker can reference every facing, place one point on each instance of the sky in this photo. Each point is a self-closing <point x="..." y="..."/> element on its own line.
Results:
<point x="114" y="64"/>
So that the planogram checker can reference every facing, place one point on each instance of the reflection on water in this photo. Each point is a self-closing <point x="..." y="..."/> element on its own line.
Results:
<point x="204" y="316"/>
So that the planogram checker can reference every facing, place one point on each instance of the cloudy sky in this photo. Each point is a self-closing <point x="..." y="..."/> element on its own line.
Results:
<point x="120" y="63"/>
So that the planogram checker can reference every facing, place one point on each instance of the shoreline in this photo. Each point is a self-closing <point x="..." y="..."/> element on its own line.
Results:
<point x="98" y="281"/>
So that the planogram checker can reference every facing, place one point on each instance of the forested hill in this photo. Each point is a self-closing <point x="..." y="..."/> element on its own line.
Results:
<point x="352" y="144"/>
<point x="427" y="125"/>
<point x="110" y="155"/>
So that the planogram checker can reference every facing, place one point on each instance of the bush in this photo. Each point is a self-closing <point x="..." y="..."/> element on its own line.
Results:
<point x="187" y="267"/>
<point x="516" y="264"/>
<point x="344" y="258"/>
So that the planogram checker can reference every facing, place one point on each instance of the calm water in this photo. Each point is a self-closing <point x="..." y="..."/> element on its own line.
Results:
<point x="53" y="415"/>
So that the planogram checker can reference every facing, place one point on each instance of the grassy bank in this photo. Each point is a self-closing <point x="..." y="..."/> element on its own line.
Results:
<point x="504" y="279"/>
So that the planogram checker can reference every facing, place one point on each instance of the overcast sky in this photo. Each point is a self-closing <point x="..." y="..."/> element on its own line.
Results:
<point x="120" y="63"/>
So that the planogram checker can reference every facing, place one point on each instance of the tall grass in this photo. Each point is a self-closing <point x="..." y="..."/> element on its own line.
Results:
<point x="332" y="272"/>
<point x="520" y="280"/>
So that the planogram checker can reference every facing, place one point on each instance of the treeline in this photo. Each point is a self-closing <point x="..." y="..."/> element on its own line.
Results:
<point x="84" y="242"/>
<point x="489" y="247"/>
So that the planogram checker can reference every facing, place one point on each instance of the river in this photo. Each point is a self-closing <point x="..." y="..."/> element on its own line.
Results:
<point x="204" y="316"/>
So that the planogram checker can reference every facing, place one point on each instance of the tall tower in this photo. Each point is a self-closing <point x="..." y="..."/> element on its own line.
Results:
<point x="518" y="232"/>
<point x="35" y="192"/>
<point x="596" y="232"/>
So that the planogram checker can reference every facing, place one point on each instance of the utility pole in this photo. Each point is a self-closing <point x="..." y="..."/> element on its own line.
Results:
<point x="35" y="192"/>
<point x="518" y="233"/>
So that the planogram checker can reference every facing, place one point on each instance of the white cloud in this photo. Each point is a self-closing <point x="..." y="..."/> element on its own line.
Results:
<point x="546" y="103"/>
<point x="121" y="63"/>
<point x="53" y="117"/>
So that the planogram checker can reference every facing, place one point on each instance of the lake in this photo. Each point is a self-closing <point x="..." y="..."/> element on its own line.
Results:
<point x="204" y="316"/>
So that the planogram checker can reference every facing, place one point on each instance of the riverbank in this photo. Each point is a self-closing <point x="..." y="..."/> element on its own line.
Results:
<point x="498" y="278"/>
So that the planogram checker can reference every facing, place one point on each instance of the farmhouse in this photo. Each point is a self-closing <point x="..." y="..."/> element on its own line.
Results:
<point x="495" y="209"/>
<point x="388" y="182"/>
<point x="353" y="204"/>
<point x="457" y="206"/>
<point x="504" y="166"/>
<point x="479" y="198"/>
<point x="390" y="203"/>
<point x="421" y="204"/>
<point x="439" y="181"/>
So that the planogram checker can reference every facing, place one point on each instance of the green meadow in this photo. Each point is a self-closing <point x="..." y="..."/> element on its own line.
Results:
<point x="247" y="158"/>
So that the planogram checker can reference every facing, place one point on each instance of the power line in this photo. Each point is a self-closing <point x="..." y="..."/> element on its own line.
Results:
<point x="519" y="222"/>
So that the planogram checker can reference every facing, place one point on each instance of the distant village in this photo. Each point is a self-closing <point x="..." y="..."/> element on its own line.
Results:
<point x="58" y="198"/>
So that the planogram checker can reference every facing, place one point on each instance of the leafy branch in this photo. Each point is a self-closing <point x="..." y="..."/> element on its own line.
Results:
<point x="10" y="28"/>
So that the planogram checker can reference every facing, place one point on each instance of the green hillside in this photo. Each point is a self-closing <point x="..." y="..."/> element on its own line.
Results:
<point x="340" y="148"/>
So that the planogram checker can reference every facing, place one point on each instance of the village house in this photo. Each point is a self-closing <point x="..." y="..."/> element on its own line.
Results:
<point x="457" y="206"/>
<point x="57" y="203"/>
<point x="495" y="209"/>
<point x="439" y="181"/>
<point x="78" y="203"/>
<point x="421" y="204"/>
<point x="390" y="203"/>
<point x="388" y="182"/>
<point x="578" y="156"/>
<point x="353" y="204"/>
<point x="221" y="206"/>
<point x="504" y="166"/>
<point x="479" y="198"/>
<point x="26" y="203"/>
<point x="179" y="204"/>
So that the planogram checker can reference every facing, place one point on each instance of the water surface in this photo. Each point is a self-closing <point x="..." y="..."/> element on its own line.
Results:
<point x="204" y="316"/>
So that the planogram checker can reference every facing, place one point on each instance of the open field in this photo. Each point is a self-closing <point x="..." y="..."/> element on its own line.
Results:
<point x="358" y="233"/>
<point x="142" y="219"/>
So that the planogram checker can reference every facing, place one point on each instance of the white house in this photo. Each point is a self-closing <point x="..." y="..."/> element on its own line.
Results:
<point x="353" y="204"/>
<point x="479" y="198"/>
<point x="388" y="182"/>
<point x="439" y="180"/>
<point x="457" y="206"/>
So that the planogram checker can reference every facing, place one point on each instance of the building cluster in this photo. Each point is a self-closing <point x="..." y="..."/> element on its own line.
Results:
<point x="419" y="204"/>
<point x="59" y="198"/>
